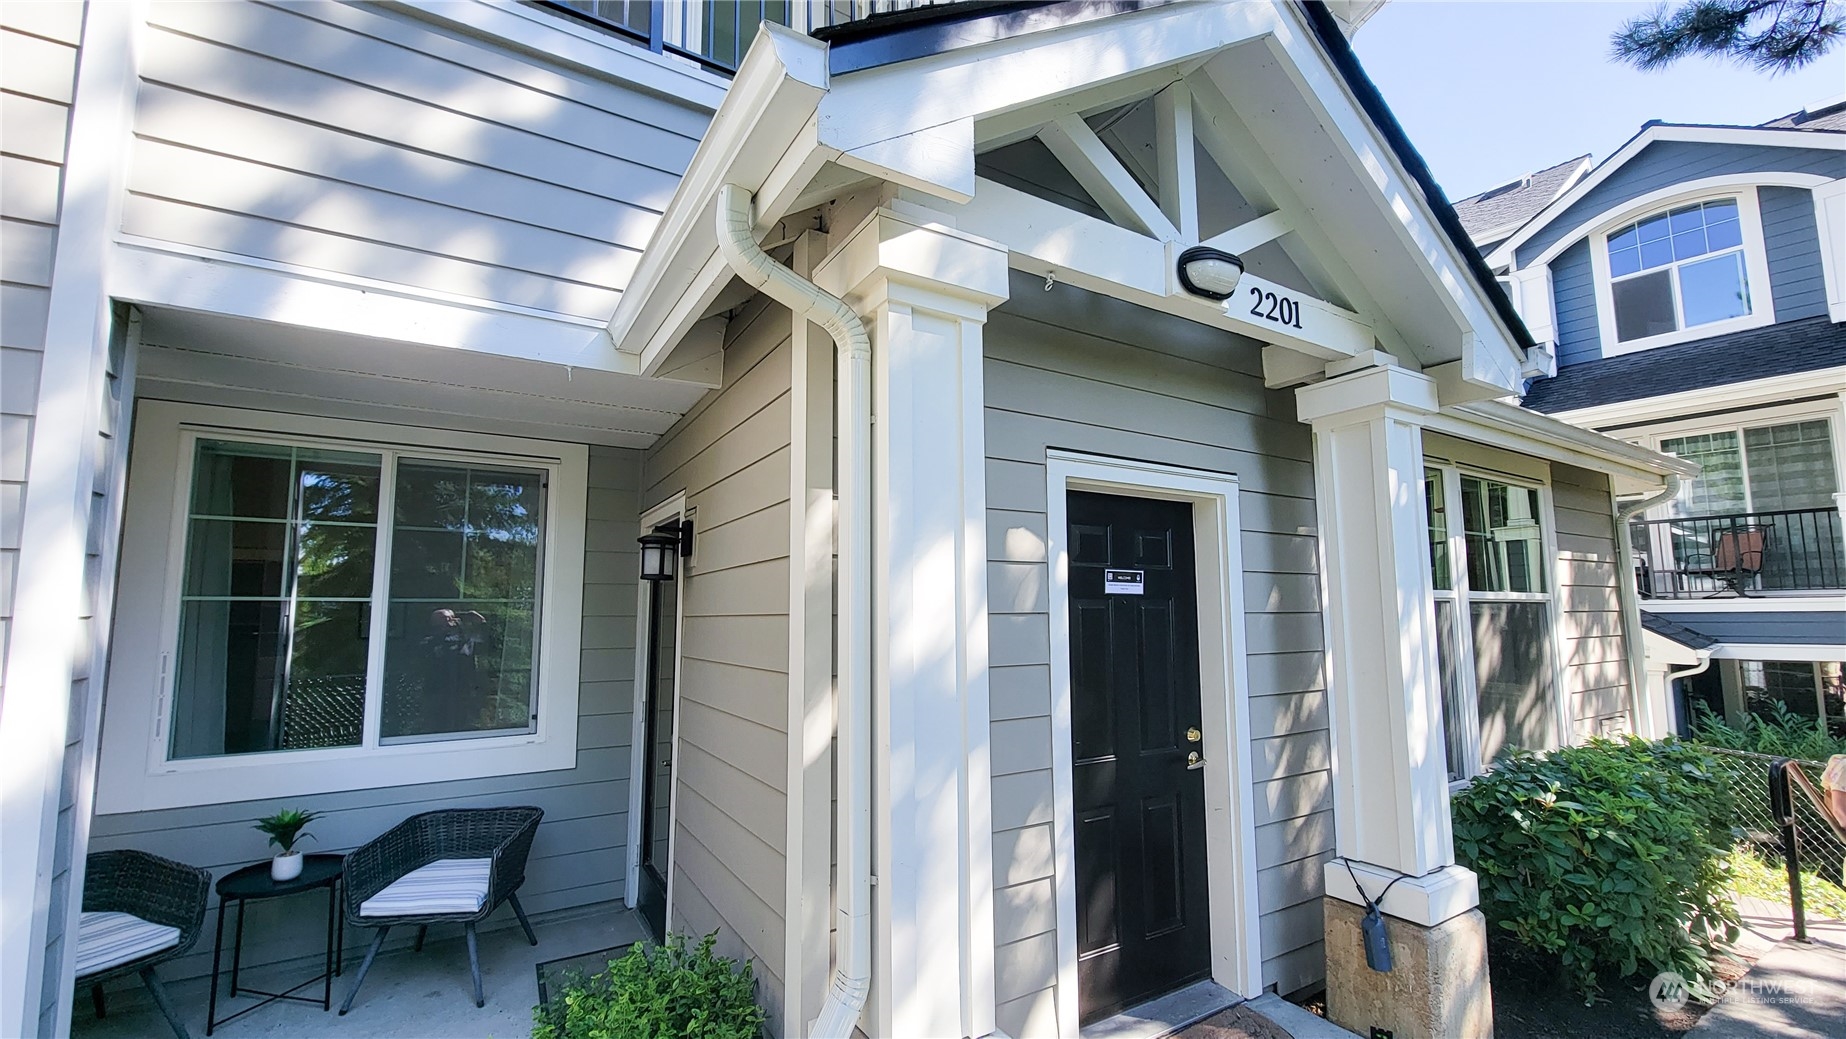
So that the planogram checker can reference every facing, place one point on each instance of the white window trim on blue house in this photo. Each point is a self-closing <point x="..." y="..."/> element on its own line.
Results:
<point x="137" y="772"/>
<point x="1756" y="269"/>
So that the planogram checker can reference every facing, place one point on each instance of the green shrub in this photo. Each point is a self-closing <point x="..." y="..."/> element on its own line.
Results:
<point x="667" y="991"/>
<point x="1782" y="733"/>
<point x="1605" y="858"/>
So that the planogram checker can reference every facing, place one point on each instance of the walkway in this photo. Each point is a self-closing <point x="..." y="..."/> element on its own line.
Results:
<point x="1793" y="991"/>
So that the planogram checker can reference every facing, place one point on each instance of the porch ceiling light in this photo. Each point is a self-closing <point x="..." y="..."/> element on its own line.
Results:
<point x="1211" y="273"/>
<point x="660" y="548"/>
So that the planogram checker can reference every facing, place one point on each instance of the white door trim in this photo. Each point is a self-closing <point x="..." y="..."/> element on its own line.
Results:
<point x="1236" y="944"/>
<point x="638" y="752"/>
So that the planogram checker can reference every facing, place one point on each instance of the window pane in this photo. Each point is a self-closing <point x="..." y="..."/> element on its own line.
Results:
<point x="1688" y="244"/>
<point x="1513" y="677"/>
<point x="463" y="601"/>
<point x="1725" y="209"/>
<point x="1714" y="289"/>
<point x="1626" y="238"/>
<point x="1437" y="513"/>
<point x="1644" y="306"/>
<point x="1718" y="489"/>
<point x="1657" y="254"/>
<point x="1656" y="229"/>
<point x="1691" y="218"/>
<point x="1454" y="707"/>
<point x="1789" y="683"/>
<point x="1724" y="234"/>
<point x="1505" y="542"/>
<point x="1624" y="261"/>
<point x="270" y="657"/>
<point x="1791" y="466"/>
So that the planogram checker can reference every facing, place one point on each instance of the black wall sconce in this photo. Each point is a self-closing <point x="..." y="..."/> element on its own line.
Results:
<point x="1211" y="273"/>
<point x="662" y="547"/>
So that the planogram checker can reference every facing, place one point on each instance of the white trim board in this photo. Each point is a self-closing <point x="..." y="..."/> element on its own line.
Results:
<point x="1224" y="695"/>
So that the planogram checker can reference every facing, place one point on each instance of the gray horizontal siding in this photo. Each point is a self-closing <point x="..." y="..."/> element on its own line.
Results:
<point x="355" y="139"/>
<point x="730" y="457"/>
<point x="1589" y="603"/>
<point x="1070" y="370"/>
<point x="1666" y="163"/>
<point x="38" y="66"/>
<point x="1791" y="239"/>
<point x="580" y="855"/>
<point x="1573" y="287"/>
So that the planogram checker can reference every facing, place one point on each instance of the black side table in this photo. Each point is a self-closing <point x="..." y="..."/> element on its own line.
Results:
<point x="252" y="883"/>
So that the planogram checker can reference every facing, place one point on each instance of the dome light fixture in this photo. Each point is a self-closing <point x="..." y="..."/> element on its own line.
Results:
<point x="1211" y="273"/>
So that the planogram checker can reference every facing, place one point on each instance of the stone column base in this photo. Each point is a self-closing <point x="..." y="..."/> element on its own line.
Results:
<point x="1436" y="989"/>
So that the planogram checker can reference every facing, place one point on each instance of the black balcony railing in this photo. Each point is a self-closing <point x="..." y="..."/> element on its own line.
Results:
<point x="717" y="33"/>
<point x="1745" y="553"/>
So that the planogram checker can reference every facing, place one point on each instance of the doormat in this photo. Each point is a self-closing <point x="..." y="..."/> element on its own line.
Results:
<point x="559" y="973"/>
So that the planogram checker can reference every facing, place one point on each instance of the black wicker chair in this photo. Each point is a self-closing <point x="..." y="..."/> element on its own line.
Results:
<point x="503" y="835"/>
<point x="157" y="890"/>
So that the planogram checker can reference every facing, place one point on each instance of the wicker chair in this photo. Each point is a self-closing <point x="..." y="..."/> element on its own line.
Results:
<point x="501" y="835"/>
<point x="159" y="891"/>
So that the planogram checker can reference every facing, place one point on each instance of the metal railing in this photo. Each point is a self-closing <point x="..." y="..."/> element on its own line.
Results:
<point x="1746" y="553"/>
<point x="717" y="33"/>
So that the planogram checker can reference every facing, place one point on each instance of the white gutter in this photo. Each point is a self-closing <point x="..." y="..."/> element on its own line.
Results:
<point x="1704" y="664"/>
<point x="1631" y="608"/>
<point x="852" y="973"/>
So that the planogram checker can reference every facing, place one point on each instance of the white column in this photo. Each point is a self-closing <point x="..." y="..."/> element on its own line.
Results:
<point x="925" y="291"/>
<point x="1390" y="776"/>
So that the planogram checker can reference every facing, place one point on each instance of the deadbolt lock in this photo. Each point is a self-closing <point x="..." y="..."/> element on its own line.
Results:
<point x="1194" y="735"/>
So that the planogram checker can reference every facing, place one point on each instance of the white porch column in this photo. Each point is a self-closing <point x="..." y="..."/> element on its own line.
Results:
<point x="1390" y="777"/>
<point x="1390" y="790"/>
<point x="925" y="290"/>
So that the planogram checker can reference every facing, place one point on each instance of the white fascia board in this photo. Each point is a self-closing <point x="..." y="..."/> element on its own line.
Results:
<point x="991" y="79"/>
<point x="1818" y="603"/>
<point x="1734" y="396"/>
<point x="1779" y="137"/>
<point x="558" y="38"/>
<point x="1377" y="164"/>
<point x="1793" y="653"/>
<point x="771" y="103"/>
<point x="1514" y="428"/>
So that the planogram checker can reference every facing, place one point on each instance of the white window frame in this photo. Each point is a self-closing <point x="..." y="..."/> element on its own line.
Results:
<point x="1755" y="264"/>
<point x="1463" y="596"/>
<point x="136" y="773"/>
<point x="1736" y="422"/>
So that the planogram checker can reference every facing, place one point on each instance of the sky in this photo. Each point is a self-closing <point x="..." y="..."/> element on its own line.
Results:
<point x="1490" y="90"/>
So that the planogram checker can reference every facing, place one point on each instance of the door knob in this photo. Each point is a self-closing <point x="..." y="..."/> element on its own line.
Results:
<point x="1193" y="761"/>
<point x="1194" y="735"/>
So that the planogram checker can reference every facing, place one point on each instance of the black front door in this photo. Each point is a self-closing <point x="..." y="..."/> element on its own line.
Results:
<point x="657" y="773"/>
<point x="1142" y="926"/>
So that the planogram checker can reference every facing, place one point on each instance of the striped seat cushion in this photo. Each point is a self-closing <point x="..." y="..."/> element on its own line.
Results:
<point x="106" y="940"/>
<point x="443" y="886"/>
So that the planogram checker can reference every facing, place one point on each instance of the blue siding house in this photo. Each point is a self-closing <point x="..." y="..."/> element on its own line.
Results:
<point x="1692" y="287"/>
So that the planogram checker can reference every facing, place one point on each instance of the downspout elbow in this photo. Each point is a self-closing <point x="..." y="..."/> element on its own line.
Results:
<point x="852" y="974"/>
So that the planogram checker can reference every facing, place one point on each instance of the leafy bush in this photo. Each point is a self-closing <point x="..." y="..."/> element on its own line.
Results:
<point x="1782" y="733"/>
<point x="667" y="991"/>
<point x="1606" y="858"/>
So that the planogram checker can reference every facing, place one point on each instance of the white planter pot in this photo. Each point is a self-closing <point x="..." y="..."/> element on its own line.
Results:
<point x="285" y="867"/>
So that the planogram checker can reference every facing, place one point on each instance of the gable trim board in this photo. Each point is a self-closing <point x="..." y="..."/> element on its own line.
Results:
<point x="1224" y="684"/>
<point x="1504" y="254"/>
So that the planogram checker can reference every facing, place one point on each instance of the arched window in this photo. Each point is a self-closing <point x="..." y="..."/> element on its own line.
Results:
<point x="1678" y="269"/>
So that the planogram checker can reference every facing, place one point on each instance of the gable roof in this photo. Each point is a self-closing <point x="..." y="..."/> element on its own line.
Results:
<point x="1652" y="131"/>
<point x="1807" y="345"/>
<point x="1497" y="212"/>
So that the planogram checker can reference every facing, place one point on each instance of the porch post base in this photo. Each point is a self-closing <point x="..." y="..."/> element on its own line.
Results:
<point x="1436" y="988"/>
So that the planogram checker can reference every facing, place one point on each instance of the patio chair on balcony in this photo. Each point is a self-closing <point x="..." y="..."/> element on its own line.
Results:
<point x="1736" y="557"/>
<point x="451" y="866"/>
<point x="139" y="910"/>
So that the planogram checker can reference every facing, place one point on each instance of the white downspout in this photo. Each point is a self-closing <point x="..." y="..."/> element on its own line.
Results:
<point x="1704" y="664"/>
<point x="852" y="973"/>
<point x="1631" y="609"/>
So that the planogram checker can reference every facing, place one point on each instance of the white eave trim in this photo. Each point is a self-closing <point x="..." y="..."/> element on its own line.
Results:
<point x="1518" y="429"/>
<point x="1735" y="396"/>
<point x="768" y="111"/>
<point x="1779" y="137"/>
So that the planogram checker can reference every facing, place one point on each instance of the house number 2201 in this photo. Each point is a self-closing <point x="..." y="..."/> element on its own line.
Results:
<point x="1271" y="307"/>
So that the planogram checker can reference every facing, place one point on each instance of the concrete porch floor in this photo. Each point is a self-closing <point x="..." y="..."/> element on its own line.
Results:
<point x="407" y="996"/>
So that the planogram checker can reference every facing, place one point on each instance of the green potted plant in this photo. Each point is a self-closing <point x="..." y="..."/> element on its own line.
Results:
<point x="284" y="829"/>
